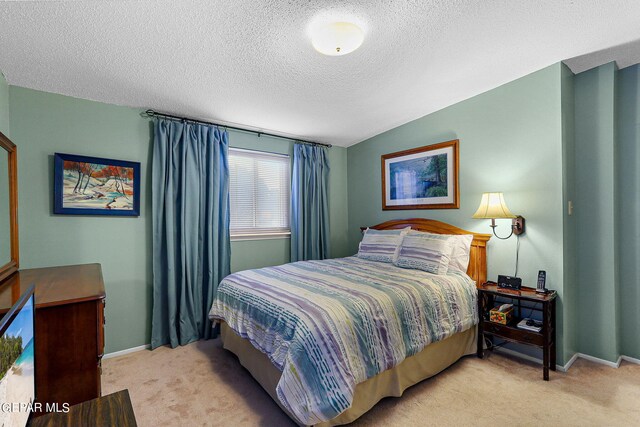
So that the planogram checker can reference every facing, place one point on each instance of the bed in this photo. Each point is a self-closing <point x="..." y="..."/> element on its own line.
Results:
<point x="328" y="339"/>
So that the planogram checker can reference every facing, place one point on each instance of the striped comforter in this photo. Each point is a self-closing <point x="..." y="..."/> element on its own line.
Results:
<point x="329" y="325"/>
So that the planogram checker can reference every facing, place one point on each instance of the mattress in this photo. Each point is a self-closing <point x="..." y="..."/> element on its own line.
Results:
<point x="330" y="325"/>
<point x="393" y="382"/>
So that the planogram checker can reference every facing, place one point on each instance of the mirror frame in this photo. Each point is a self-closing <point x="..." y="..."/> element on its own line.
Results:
<point x="13" y="265"/>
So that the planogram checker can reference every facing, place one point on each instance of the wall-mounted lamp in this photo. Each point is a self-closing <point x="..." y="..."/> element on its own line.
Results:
<point x="492" y="206"/>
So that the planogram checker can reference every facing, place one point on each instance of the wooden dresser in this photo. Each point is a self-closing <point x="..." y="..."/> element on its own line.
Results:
<point x="69" y="335"/>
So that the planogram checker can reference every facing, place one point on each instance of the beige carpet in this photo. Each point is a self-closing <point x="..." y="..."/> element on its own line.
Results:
<point x="202" y="384"/>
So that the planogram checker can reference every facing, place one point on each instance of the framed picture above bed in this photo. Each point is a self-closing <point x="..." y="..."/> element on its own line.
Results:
<point x="421" y="178"/>
<point x="95" y="186"/>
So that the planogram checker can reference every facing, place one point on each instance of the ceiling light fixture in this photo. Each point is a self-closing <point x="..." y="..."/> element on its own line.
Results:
<point x="337" y="38"/>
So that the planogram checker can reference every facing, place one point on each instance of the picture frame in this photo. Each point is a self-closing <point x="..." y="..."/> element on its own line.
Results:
<point x="422" y="178"/>
<point x="84" y="185"/>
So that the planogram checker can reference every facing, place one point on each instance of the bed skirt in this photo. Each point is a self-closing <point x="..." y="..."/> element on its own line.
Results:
<point x="393" y="382"/>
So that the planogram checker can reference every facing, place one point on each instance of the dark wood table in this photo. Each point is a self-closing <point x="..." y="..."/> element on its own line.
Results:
<point x="113" y="410"/>
<point x="69" y="330"/>
<point x="545" y="339"/>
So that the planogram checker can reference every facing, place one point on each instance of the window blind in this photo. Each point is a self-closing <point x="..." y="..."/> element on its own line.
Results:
<point x="259" y="186"/>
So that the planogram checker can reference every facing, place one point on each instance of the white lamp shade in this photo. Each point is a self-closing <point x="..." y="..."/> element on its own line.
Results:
<point x="337" y="38"/>
<point x="492" y="205"/>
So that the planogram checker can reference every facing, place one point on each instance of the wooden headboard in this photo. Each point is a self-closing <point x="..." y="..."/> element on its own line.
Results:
<point x="478" y="256"/>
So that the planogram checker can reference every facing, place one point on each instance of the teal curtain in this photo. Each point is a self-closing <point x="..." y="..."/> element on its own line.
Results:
<point x="309" y="203"/>
<point x="191" y="245"/>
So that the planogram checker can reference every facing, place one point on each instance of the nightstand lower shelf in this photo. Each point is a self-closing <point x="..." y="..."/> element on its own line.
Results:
<point x="513" y="333"/>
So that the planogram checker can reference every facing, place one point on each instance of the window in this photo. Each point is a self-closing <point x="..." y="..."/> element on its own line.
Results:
<point x="259" y="194"/>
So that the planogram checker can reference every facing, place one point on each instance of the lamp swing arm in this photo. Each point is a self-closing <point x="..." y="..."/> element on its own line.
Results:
<point x="517" y="227"/>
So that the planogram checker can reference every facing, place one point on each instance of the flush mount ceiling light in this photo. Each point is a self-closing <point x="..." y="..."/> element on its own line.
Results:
<point x="337" y="38"/>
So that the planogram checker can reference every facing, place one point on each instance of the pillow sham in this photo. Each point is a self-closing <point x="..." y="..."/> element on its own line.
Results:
<point x="461" y="251"/>
<point x="425" y="251"/>
<point x="381" y="245"/>
<point x="461" y="248"/>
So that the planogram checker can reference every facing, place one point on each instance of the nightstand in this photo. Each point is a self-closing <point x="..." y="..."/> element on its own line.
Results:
<point x="545" y="303"/>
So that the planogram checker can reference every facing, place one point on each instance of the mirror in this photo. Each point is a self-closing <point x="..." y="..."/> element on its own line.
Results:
<point x="5" y="220"/>
<point x="8" y="208"/>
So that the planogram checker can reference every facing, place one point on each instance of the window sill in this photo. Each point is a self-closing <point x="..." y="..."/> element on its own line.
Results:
<point x="261" y="236"/>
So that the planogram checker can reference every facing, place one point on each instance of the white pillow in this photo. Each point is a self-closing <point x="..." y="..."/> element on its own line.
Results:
<point x="461" y="244"/>
<point x="461" y="249"/>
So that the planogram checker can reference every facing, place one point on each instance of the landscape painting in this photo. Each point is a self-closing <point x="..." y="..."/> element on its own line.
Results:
<point x="421" y="178"/>
<point x="95" y="186"/>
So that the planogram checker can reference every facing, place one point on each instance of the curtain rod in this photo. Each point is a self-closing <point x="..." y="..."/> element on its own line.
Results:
<point x="152" y="113"/>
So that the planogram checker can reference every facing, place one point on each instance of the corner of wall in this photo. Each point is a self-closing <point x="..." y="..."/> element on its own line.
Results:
<point x="617" y="213"/>
<point x="595" y="176"/>
<point x="628" y="208"/>
<point x="5" y="105"/>
<point x="339" y="202"/>
<point x="568" y="190"/>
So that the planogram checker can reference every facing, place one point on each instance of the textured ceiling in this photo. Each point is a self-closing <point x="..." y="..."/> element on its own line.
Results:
<point x="251" y="63"/>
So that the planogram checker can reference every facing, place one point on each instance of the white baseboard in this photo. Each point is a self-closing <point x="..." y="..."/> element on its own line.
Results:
<point x="600" y="361"/>
<point x="560" y="368"/>
<point x="534" y="359"/>
<point x="615" y="364"/>
<point x="573" y="358"/>
<point x="567" y="365"/>
<point x="126" y="351"/>
<point x="630" y="359"/>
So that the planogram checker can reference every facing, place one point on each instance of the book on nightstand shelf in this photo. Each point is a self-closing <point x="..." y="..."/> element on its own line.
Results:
<point x="530" y="325"/>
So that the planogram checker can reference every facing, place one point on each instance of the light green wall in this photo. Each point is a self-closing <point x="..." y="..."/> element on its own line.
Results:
<point x="4" y="105"/>
<point x="338" y="203"/>
<point x="510" y="141"/>
<point x="569" y="190"/>
<point x="44" y="123"/>
<point x="628" y="179"/>
<point x="595" y="207"/>
<point x="607" y="137"/>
